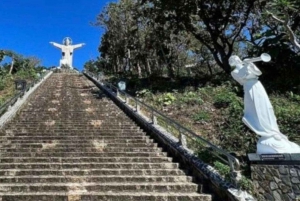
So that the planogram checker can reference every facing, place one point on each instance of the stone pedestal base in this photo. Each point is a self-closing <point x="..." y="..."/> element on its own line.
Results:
<point x="276" y="177"/>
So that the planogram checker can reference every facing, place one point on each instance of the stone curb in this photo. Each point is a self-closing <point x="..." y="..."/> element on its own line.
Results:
<point x="12" y="110"/>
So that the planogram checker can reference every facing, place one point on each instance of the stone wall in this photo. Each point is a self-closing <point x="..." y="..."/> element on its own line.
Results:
<point x="277" y="180"/>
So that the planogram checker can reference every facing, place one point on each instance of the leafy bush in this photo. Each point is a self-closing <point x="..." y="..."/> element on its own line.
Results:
<point x="223" y="169"/>
<point x="287" y="111"/>
<point x="224" y="99"/>
<point x="201" y="116"/>
<point x="167" y="99"/>
<point x="191" y="98"/>
<point x="246" y="184"/>
<point x="144" y="93"/>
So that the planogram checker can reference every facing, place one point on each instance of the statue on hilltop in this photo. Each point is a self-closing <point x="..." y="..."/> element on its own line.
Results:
<point x="67" y="50"/>
<point x="258" y="111"/>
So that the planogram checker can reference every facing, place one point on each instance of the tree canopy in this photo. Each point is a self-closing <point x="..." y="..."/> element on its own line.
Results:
<point x="173" y="38"/>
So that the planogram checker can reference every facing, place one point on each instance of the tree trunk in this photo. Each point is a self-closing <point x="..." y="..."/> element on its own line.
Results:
<point x="139" y="69"/>
<point x="149" y="72"/>
<point x="11" y="67"/>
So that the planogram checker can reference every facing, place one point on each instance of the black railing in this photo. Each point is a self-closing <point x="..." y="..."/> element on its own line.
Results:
<point x="13" y="100"/>
<point x="154" y="117"/>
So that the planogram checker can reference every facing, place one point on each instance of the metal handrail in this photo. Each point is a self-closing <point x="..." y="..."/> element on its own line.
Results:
<point x="14" y="99"/>
<point x="232" y="161"/>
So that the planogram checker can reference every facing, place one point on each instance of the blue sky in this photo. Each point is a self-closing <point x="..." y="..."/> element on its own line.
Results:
<point x="27" y="27"/>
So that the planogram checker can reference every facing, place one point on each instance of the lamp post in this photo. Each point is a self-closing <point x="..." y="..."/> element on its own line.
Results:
<point x="122" y="86"/>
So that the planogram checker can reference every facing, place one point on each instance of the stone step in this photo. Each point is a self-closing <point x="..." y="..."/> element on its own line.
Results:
<point x="95" y="135"/>
<point x="72" y="122"/>
<point x="78" y="118"/>
<point x="73" y="130"/>
<point x="73" y="111"/>
<point x="100" y="148"/>
<point x="70" y="141"/>
<point x="73" y="145"/>
<point x="100" y="187"/>
<point x="67" y="115"/>
<point x="101" y="111"/>
<point x="90" y="165"/>
<point x="83" y="127"/>
<point x="54" y="111"/>
<point x="82" y="137"/>
<point x="98" y="196"/>
<point x="75" y="124"/>
<point x="85" y="159"/>
<point x="89" y="179"/>
<point x="91" y="172"/>
<point x="86" y="154"/>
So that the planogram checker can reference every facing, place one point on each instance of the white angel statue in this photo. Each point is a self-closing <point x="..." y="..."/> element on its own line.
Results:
<point x="258" y="111"/>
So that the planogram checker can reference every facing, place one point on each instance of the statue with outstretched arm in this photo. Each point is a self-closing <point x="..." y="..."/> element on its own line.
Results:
<point x="259" y="115"/>
<point x="67" y="50"/>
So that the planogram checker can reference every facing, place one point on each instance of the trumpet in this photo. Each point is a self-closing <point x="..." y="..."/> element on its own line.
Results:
<point x="263" y="57"/>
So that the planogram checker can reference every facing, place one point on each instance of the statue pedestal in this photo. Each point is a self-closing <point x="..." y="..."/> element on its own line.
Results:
<point x="276" y="177"/>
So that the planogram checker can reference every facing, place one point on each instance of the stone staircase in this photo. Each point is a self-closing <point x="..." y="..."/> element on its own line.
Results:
<point x="71" y="143"/>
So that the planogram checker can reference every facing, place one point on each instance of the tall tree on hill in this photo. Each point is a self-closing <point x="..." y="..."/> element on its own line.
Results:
<point x="135" y="41"/>
<point x="285" y="13"/>
<point x="216" y="24"/>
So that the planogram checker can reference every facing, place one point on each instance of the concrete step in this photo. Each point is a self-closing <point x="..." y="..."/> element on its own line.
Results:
<point x="91" y="144"/>
<point x="98" y="196"/>
<point x="73" y="129"/>
<point x="86" y="154"/>
<point x="78" y="134"/>
<point x="83" y="127"/>
<point x="85" y="159"/>
<point x="63" y="132"/>
<point x="75" y="141"/>
<point x="72" y="121"/>
<point x="68" y="144"/>
<point x="91" y="172"/>
<point x="93" y="179"/>
<point x="82" y="137"/>
<point x="183" y="187"/>
<point x="91" y="165"/>
<point x="100" y="147"/>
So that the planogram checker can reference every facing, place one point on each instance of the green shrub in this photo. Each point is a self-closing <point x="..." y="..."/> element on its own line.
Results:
<point x="144" y="93"/>
<point x="201" y="116"/>
<point x="246" y="184"/>
<point x="223" y="169"/>
<point x="166" y="99"/>
<point x="224" y="98"/>
<point x="191" y="98"/>
<point x="287" y="111"/>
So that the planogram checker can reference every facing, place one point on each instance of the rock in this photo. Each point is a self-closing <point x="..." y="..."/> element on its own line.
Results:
<point x="286" y="181"/>
<point x="277" y="196"/>
<point x="273" y="186"/>
<point x="283" y="170"/>
<point x="295" y="180"/>
<point x="293" y="172"/>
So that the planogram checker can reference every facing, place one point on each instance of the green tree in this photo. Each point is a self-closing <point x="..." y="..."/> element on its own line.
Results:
<point x="216" y="24"/>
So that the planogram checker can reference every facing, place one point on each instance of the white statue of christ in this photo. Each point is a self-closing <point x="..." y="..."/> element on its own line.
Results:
<point x="67" y="51"/>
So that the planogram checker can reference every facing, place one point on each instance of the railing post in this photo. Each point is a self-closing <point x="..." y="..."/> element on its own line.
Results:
<point x="182" y="138"/>
<point x="137" y="107"/>
<point x="153" y="117"/>
<point x="235" y="173"/>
